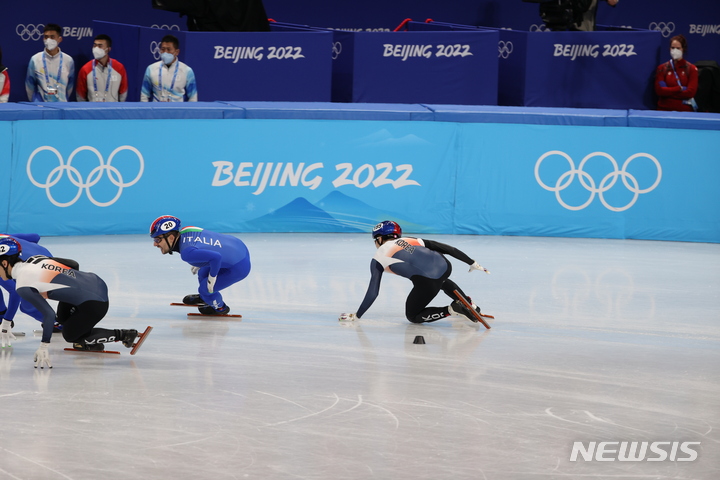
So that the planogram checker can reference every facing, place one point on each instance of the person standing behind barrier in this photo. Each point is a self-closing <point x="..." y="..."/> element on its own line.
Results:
<point x="169" y="80"/>
<point x="51" y="73"/>
<point x="4" y="81"/>
<point x="587" y="24"/>
<point x="676" y="81"/>
<point x="102" y="79"/>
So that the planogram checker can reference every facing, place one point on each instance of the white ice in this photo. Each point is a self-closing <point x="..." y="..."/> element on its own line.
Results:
<point x="593" y="341"/>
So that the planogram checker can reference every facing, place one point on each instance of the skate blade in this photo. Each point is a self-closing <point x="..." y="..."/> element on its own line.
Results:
<point x="467" y="304"/>
<point x="203" y="316"/>
<point x="19" y="334"/>
<point x="91" y="351"/>
<point x="188" y="305"/>
<point x="141" y="340"/>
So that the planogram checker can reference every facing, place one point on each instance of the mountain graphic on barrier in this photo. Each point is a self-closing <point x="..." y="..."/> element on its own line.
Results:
<point x="336" y="212"/>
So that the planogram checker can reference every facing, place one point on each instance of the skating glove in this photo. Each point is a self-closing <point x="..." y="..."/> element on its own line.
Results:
<point x="42" y="357"/>
<point x="6" y="335"/>
<point x="211" y="283"/>
<point x="194" y="270"/>
<point x="477" y="266"/>
<point x="347" y="317"/>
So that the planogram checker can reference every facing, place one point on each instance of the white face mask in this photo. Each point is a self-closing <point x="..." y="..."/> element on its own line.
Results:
<point x="98" y="53"/>
<point x="167" y="58"/>
<point x="50" y="44"/>
<point x="676" y="53"/>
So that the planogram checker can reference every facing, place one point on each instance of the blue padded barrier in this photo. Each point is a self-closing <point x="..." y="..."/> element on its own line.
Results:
<point x="529" y="115"/>
<point x="691" y="120"/>
<point x="330" y="111"/>
<point x="19" y="111"/>
<point x="135" y="110"/>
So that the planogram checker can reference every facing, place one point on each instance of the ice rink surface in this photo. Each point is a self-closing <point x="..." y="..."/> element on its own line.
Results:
<point x="593" y="341"/>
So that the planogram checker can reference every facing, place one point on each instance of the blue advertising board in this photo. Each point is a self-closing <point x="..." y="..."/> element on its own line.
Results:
<point x="458" y="67"/>
<point x="231" y="175"/>
<point x="571" y="181"/>
<point x="591" y="69"/>
<point x="115" y="176"/>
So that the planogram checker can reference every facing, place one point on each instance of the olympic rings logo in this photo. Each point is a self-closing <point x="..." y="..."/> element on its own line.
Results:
<point x="155" y="49"/>
<point x="93" y="178"/>
<point x="588" y="182"/>
<point x="166" y="27"/>
<point x="30" y="31"/>
<point x="504" y="49"/>
<point x="538" y="28"/>
<point x="665" y="28"/>
<point x="336" y="50"/>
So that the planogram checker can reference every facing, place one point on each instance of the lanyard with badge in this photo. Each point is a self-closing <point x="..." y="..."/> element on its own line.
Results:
<point x="172" y="84"/>
<point x="54" y="89"/>
<point x="107" y="82"/>
<point x="688" y="101"/>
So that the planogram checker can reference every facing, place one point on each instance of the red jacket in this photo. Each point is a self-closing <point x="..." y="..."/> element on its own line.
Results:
<point x="670" y="93"/>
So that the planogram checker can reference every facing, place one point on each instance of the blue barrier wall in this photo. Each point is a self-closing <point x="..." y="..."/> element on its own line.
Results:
<point x="21" y="23"/>
<point x="561" y="174"/>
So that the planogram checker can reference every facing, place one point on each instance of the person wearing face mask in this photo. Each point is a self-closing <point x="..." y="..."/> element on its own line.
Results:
<point x="51" y="73"/>
<point x="676" y="81"/>
<point x="102" y="79"/>
<point x="169" y="80"/>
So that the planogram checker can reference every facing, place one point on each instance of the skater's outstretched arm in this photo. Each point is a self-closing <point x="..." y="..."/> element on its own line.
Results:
<point x="376" y="271"/>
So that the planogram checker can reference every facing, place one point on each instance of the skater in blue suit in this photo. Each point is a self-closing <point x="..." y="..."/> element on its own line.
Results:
<point x="218" y="260"/>
<point x="30" y="247"/>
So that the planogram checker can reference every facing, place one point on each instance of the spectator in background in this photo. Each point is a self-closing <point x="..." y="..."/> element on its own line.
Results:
<point x="587" y="22"/>
<point x="219" y="15"/>
<point x="676" y="81"/>
<point x="4" y="81"/>
<point x="102" y="79"/>
<point x="169" y="80"/>
<point x="51" y="73"/>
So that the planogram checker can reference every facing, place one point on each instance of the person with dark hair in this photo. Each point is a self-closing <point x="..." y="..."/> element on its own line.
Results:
<point x="169" y="80"/>
<point x="422" y="262"/>
<point x="676" y="81"/>
<point x="51" y="73"/>
<point x="82" y="300"/>
<point x="4" y="81"/>
<point x="102" y="79"/>
<point x="219" y="260"/>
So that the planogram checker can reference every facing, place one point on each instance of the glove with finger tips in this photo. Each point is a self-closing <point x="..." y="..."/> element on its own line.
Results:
<point x="42" y="356"/>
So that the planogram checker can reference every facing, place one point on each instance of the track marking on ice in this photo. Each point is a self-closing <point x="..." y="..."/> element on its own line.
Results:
<point x="612" y="423"/>
<point x="11" y="394"/>
<point x="285" y="399"/>
<point x="337" y="399"/>
<point x="35" y="463"/>
<point x="563" y="419"/>
<point x="397" y="421"/>
<point x="359" y="402"/>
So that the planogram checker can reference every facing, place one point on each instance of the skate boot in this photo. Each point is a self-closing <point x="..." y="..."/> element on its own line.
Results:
<point x="210" y="310"/>
<point x="127" y="337"/>
<point x="193" y="300"/>
<point x="96" y="347"/>
<point x="457" y="308"/>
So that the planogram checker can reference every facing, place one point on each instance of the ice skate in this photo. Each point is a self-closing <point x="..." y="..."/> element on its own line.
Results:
<point x="464" y="308"/>
<point x="210" y="310"/>
<point x="127" y="337"/>
<point x="458" y="309"/>
<point x="84" y="347"/>
<point x="193" y="299"/>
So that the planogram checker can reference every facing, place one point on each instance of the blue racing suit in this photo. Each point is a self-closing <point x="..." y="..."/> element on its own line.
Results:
<point x="222" y="256"/>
